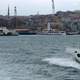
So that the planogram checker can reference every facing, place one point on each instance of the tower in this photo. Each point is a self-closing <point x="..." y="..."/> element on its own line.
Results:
<point x="8" y="25"/>
<point x="15" y="15"/>
<point x="8" y="12"/>
<point x="53" y="7"/>
<point x="15" y="11"/>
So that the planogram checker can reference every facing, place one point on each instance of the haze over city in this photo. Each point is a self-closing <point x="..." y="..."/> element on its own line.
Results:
<point x="31" y="7"/>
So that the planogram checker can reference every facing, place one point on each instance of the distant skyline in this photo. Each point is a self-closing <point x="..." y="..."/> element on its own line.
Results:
<point x="32" y="7"/>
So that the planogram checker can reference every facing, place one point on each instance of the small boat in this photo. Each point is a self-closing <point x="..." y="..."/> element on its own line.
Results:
<point x="72" y="33"/>
<point x="77" y="55"/>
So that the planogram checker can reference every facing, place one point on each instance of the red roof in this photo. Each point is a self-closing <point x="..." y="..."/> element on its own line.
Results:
<point x="22" y="30"/>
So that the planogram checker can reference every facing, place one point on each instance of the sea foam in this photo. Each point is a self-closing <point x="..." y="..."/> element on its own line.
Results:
<point x="66" y="62"/>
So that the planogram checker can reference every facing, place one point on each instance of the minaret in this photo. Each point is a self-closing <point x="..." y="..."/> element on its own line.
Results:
<point x="53" y="7"/>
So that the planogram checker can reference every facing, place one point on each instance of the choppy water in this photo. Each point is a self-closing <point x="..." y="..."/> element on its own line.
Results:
<point x="38" y="57"/>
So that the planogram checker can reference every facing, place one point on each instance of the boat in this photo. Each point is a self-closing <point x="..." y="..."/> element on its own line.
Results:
<point x="77" y="55"/>
<point x="25" y="32"/>
<point x="50" y="31"/>
<point x="72" y="33"/>
<point x="7" y="32"/>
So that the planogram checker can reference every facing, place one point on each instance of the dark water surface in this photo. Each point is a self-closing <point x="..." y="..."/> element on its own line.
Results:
<point x="38" y="57"/>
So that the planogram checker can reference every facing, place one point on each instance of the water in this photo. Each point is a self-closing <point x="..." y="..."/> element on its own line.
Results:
<point x="39" y="57"/>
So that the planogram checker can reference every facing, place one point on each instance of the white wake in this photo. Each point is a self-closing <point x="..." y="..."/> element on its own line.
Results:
<point x="66" y="62"/>
<point x="63" y="62"/>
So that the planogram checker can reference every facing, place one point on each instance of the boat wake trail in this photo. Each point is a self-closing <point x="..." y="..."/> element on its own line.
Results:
<point x="65" y="62"/>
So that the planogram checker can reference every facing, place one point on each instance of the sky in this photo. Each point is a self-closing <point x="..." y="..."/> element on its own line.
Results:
<point x="32" y="7"/>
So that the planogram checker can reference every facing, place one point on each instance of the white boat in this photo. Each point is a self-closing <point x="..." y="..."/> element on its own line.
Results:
<point x="7" y="32"/>
<point x="77" y="55"/>
<point x="74" y="52"/>
<point x="50" y="31"/>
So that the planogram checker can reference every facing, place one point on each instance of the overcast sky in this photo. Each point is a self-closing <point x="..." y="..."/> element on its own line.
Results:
<point x="30" y="7"/>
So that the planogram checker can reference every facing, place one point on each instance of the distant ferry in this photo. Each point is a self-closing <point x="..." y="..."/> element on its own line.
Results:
<point x="50" y="31"/>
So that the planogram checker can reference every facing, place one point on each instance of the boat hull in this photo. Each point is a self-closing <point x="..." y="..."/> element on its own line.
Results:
<point x="77" y="56"/>
<point x="51" y="33"/>
<point x="26" y="33"/>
